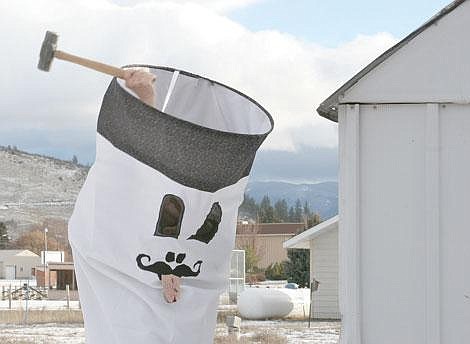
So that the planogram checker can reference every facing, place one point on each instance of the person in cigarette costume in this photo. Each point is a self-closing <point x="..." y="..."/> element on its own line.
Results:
<point x="154" y="223"/>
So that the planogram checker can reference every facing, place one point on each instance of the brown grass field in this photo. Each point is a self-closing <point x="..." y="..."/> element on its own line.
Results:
<point x="38" y="316"/>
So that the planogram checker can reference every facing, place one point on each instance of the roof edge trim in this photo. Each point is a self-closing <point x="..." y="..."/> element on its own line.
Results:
<point x="329" y="107"/>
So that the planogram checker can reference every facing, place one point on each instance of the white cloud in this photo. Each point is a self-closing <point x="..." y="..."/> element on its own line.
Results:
<point x="286" y="75"/>
<point x="223" y="6"/>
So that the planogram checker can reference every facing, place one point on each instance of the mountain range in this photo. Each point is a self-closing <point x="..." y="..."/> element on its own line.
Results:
<point x="35" y="187"/>
<point x="322" y="198"/>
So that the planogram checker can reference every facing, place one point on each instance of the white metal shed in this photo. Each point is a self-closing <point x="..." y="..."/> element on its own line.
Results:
<point x="322" y="240"/>
<point x="404" y="188"/>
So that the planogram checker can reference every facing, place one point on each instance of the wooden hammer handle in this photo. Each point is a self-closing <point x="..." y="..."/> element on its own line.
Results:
<point x="98" y="66"/>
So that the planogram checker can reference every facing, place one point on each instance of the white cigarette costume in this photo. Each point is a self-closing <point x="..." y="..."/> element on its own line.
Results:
<point x="162" y="198"/>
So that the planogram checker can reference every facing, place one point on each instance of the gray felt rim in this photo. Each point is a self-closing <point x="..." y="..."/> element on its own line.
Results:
<point x="203" y="158"/>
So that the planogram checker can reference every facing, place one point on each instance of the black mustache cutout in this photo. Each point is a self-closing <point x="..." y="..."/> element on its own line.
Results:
<point x="161" y="268"/>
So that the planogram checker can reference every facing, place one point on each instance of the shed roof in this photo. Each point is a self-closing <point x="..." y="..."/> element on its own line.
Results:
<point x="302" y="240"/>
<point x="329" y="107"/>
<point x="4" y="254"/>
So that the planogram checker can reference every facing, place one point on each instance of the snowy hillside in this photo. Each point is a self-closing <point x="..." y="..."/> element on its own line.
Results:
<point x="35" y="187"/>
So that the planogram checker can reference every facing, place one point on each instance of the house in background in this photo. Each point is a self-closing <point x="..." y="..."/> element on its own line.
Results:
<point x="56" y="276"/>
<point x="18" y="264"/>
<point x="267" y="239"/>
<point x="404" y="188"/>
<point x="322" y="241"/>
<point x="53" y="256"/>
<point x="57" y="273"/>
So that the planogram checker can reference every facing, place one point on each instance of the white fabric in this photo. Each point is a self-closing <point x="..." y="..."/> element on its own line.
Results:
<point x="170" y="89"/>
<point x="113" y="221"/>
<point x="208" y="104"/>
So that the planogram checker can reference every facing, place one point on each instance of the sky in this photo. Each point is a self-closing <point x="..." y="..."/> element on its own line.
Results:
<point x="288" y="55"/>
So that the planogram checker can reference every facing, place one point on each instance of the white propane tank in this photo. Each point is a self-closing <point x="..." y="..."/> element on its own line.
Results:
<point x="262" y="303"/>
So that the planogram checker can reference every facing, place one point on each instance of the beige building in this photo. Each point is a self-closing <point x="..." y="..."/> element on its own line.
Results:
<point x="18" y="264"/>
<point x="267" y="240"/>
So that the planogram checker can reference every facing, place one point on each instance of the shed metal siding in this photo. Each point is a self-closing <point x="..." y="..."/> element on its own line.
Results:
<point x="391" y="211"/>
<point x="412" y="250"/>
<point x="454" y="228"/>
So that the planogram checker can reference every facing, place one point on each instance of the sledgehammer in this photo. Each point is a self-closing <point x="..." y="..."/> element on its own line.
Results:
<point x="48" y="52"/>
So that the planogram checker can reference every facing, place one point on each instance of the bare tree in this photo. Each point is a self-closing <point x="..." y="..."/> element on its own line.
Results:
<point x="57" y="238"/>
<point x="248" y="239"/>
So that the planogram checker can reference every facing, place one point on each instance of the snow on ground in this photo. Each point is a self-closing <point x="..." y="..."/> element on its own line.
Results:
<point x="294" y="331"/>
<point x="43" y="333"/>
<point x="16" y="283"/>
<point x="39" y="304"/>
<point x="299" y="297"/>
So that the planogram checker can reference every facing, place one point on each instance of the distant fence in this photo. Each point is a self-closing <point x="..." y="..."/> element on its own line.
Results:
<point x="52" y="203"/>
<point x="22" y="292"/>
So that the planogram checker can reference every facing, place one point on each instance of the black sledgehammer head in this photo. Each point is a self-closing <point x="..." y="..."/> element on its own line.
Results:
<point x="48" y="48"/>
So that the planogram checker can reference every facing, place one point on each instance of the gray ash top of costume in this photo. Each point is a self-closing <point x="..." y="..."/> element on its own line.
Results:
<point x="205" y="138"/>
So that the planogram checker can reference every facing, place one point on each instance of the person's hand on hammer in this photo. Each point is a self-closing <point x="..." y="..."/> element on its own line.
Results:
<point x="141" y="82"/>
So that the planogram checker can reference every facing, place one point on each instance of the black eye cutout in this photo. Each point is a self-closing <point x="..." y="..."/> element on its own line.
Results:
<point x="207" y="231"/>
<point x="170" y="217"/>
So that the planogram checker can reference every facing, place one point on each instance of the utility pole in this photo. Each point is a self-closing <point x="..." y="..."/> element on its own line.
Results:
<point x="46" y="275"/>
<point x="45" y="241"/>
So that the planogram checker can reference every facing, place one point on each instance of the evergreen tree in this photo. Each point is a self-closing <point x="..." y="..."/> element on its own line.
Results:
<point x="291" y="214"/>
<point x="266" y="211"/>
<point x="298" y="211"/>
<point x="307" y="211"/>
<point x="4" y="238"/>
<point x="281" y="212"/>
<point x="297" y="267"/>
<point x="249" y="207"/>
<point x="313" y="220"/>
<point x="75" y="160"/>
